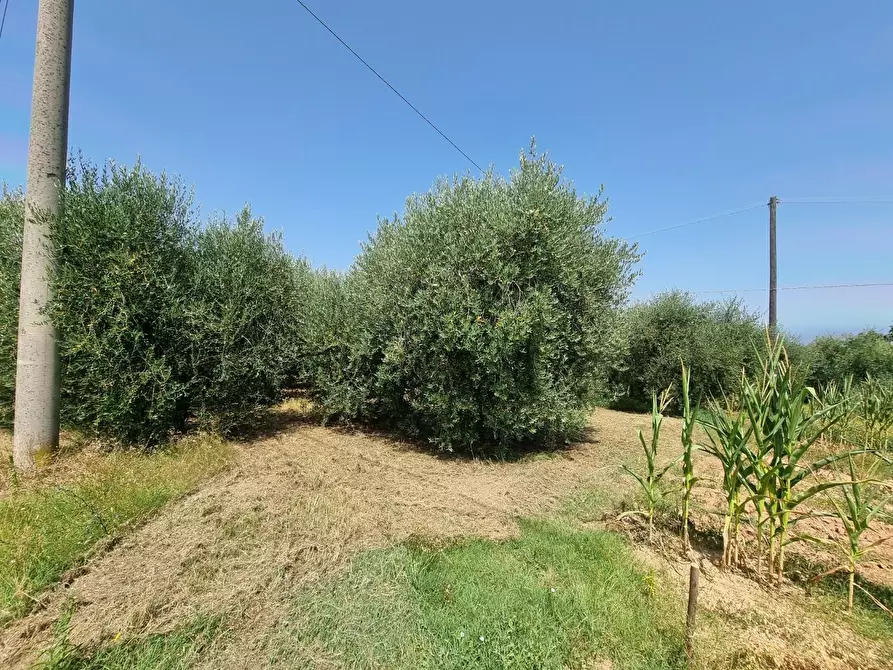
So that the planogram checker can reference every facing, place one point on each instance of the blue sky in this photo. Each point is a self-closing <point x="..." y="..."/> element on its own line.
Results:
<point x="681" y="110"/>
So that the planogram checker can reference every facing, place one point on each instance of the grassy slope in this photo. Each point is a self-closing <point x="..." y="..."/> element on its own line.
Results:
<point x="176" y="650"/>
<point x="553" y="598"/>
<point x="49" y="527"/>
<point x="408" y="606"/>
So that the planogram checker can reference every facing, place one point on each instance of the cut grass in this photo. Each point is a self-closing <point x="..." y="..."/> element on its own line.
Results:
<point x="177" y="650"/>
<point x="553" y="598"/>
<point x="47" y="528"/>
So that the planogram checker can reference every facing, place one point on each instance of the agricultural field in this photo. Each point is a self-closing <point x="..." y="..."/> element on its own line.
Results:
<point x="307" y="546"/>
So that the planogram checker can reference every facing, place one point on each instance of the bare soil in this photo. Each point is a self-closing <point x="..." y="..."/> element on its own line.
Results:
<point x="301" y="500"/>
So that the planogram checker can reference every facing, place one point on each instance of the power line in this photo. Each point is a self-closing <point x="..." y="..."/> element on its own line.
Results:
<point x="830" y="201"/>
<point x="3" y="20"/>
<point x="798" y="288"/>
<point x="388" y="84"/>
<point x="697" y="221"/>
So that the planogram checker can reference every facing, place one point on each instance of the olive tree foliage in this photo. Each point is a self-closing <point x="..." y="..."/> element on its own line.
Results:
<point x="836" y="358"/>
<point x="121" y="302"/>
<point x="247" y="296"/>
<point x="715" y="340"/>
<point x="483" y="319"/>
<point x="162" y="323"/>
<point x="328" y="325"/>
<point x="12" y="215"/>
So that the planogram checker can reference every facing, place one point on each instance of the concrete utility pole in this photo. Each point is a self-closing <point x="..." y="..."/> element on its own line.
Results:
<point x="773" y="271"/>
<point x="36" y="428"/>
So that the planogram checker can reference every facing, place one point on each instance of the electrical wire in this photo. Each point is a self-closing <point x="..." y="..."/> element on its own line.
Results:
<point x="389" y="85"/>
<point x="798" y="288"/>
<point x="696" y="221"/>
<point x="830" y="201"/>
<point x="3" y="20"/>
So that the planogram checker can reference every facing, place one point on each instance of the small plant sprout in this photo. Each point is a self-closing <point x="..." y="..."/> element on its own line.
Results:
<point x="650" y="481"/>
<point x="863" y="501"/>
<point x="688" y="467"/>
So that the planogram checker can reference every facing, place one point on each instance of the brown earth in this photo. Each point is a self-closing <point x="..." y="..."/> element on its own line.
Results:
<point x="301" y="500"/>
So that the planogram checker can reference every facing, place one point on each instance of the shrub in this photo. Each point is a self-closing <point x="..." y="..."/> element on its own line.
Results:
<point x="716" y="340"/>
<point x="12" y="216"/>
<point x="120" y="303"/>
<point x="247" y="295"/>
<point x="325" y="333"/>
<point x="159" y="321"/>
<point x="835" y="359"/>
<point x="486" y="317"/>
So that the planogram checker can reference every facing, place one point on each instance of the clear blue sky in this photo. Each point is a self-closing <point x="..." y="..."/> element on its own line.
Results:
<point x="682" y="110"/>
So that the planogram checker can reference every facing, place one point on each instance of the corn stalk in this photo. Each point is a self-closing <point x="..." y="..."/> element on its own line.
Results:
<point x="688" y="467"/>
<point x="843" y="396"/>
<point x="784" y="429"/>
<point x="650" y="480"/>
<point x="875" y="401"/>
<point x="862" y="503"/>
<point x="728" y="436"/>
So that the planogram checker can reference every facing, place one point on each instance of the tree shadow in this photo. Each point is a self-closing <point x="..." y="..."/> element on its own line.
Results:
<point x="294" y="411"/>
<point x="521" y="453"/>
<point x="298" y="410"/>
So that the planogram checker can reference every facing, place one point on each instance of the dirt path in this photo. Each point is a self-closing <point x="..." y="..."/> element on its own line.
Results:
<point x="295" y="506"/>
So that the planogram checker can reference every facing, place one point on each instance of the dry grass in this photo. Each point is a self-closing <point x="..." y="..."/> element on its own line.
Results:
<point x="743" y="625"/>
<point x="75" y="456"/>
<point x="295" y="507"/>
<point x="301" y="501"/>
<point x="53" y="520"/>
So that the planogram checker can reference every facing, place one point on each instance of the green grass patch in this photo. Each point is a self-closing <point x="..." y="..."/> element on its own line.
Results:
<point x="177" y="650"/>
<point x="553" y="598"/>
<point x="868" y="619"/>
<point x="47" y="529"/>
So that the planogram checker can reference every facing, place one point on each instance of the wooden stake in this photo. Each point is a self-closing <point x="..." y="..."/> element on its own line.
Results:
<point x="693" y="578"/>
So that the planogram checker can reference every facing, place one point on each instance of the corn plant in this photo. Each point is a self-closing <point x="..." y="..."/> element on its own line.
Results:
<point x="728" y="434"/>
<point x="862" y="503"/>
<point x="783" y="431"/>
<point x="688" y="468"/>
<point x="650" y="480"/>
<point x="843" y="396"/>
<point x="875" y="402"/>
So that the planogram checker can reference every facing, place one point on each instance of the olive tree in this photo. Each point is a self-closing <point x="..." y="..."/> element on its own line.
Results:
<point x="483" y="319"/>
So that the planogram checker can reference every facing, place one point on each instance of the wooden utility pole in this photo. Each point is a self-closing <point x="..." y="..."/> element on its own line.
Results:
<point x="773" y="271"/>
<point x="36" y="428"/>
